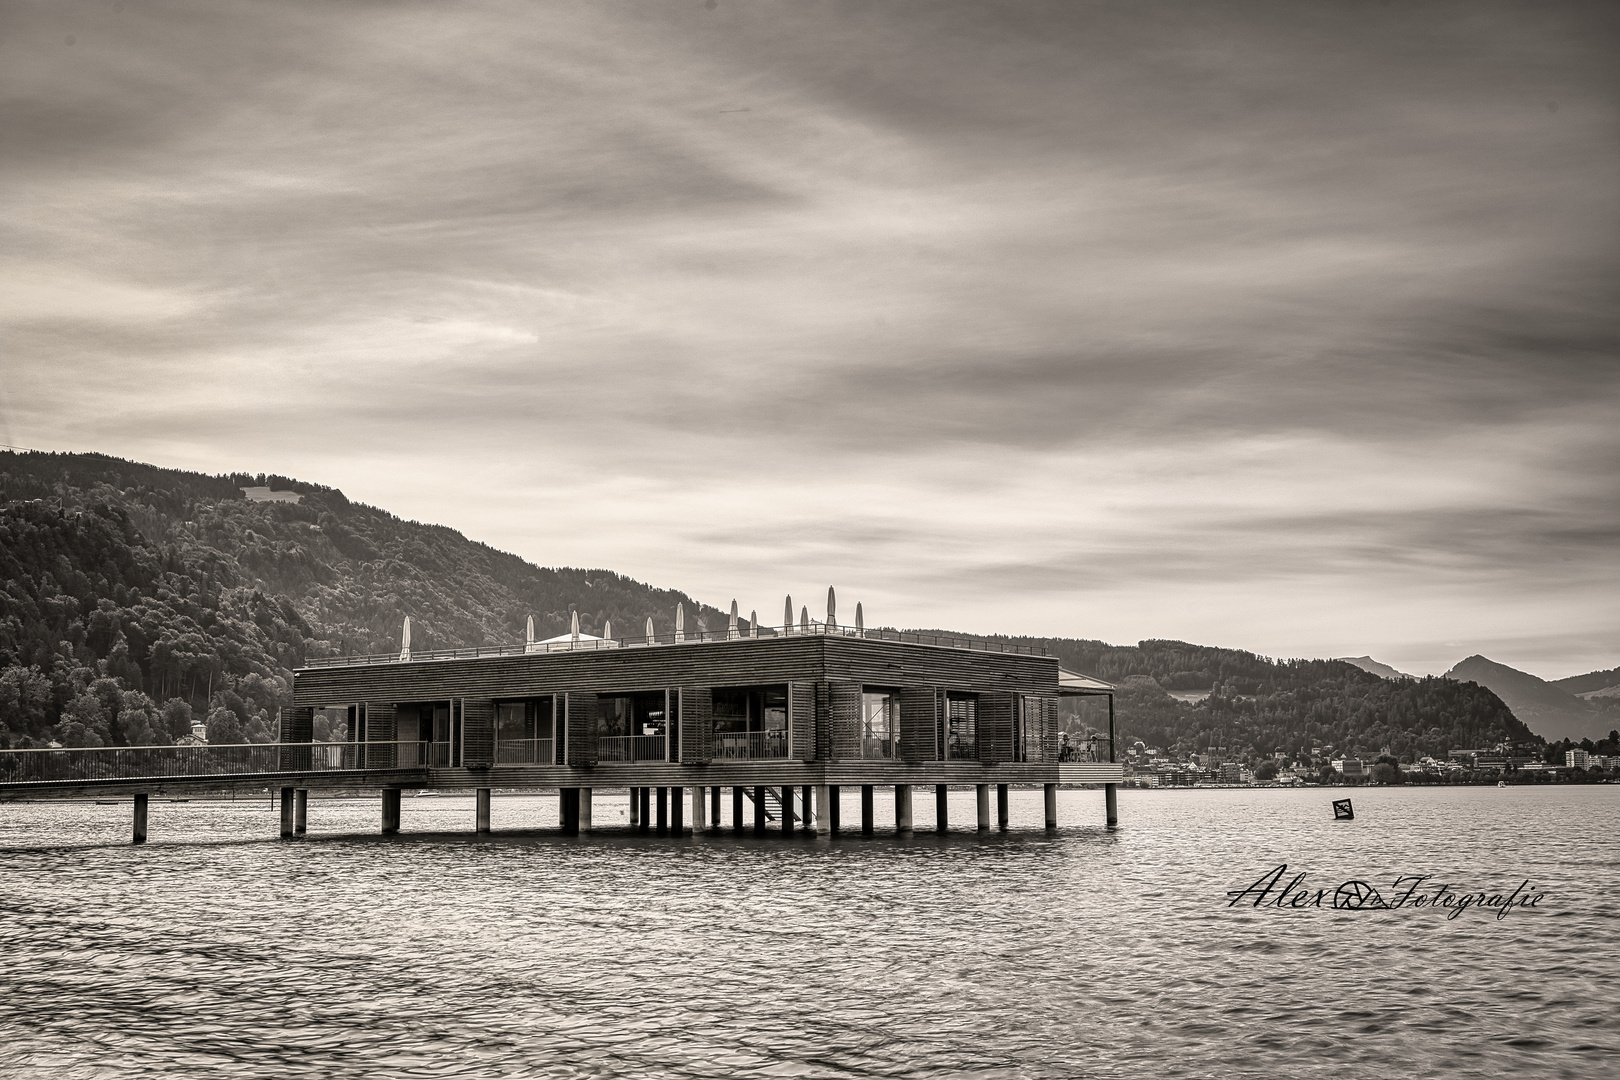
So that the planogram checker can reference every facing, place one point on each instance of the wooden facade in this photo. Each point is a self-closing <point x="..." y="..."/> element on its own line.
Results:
<point x="963" y="715"/>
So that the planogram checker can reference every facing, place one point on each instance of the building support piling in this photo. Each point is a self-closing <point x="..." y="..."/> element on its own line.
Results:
<point x="823" y="811"/>
<point x="390" y="811"/>
<point x="481" y="810"/>
<point x="982" y="794"/>
<point x="1001" y="807"/>
<point x="663" y="811"/>
<point x="1051" y="806"/>
<point x="866" y="810"/>
<point x="759" y="811"/>
<point x="942" y="808"/>
<point x="584" y="809"/>
<point x="902" y="808"/>
<point x="301" y="812"/>
<point x="286" y="813"/>
<point x="139" y="822"/>
<point x="833" y="796"/>
<point x="736" y="809"/>
<point x="1111" y="802"/>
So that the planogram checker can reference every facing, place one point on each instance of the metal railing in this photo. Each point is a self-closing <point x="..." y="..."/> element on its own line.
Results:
<point x="525" y="752"/>
<point x="137" y="762"/>
<point x="611" y="748"/>
<point x="690" y="637"/>
<point x="879" y="748"/>
<point x="750" y="745"/>
<point x="1095" y="748"/>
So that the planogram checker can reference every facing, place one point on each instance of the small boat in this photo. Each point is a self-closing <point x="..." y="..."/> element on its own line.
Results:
<point x="426" y="795"/>
<point x="1501" y="783"/>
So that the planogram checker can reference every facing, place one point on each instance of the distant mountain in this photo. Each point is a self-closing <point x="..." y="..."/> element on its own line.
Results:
<point x="1601" y="683"/>
<point x="135" y="600"/>
<point x="1383" y="671"/>
<point x="1550" y="711"/>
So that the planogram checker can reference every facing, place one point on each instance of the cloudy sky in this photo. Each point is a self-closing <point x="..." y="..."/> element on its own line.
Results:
<point x="1284" y="326"/>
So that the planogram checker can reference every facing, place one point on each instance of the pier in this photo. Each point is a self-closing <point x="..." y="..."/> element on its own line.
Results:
<point x="754" y="731"/>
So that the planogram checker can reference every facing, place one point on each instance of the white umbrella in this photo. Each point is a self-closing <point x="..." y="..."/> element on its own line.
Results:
<point x="649" y="630"/>
<point x="528" y="634"/>
<point x="405" y="641"/>
<point x="574" y="629"/>
<point x="860" y="622"/>
<point x="680" y="622"/>
<point x="753" y="624"/>
<point x="832" y="608"/>
<point x="804" y="618"/>
<point x="787" y="615"/>
<point x="607" y="630"/>
<point x="731" y="627"/>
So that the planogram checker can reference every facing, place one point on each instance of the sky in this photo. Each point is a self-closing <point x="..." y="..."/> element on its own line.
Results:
<point x="1290" y="327"/>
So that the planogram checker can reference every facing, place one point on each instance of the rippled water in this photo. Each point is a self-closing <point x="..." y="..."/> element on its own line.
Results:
<point x="217" y="949"/>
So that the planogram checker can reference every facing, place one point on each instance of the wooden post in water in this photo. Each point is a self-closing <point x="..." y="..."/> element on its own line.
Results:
<point x="866" y="810"/>
<point x="787" y="809"/>
<point x="139" y="822"/>
<point x="677" y="807"/>
<point x="902" y="808"/>
<point x="982" y="791"/>
<point x="663" y="811"/>
<point x="736" y="808"/>
<point x="1051" y="806"/>
<point x="286" y="813"/>
<point x="823" y="812"/>
<point x="942" y="813"/>
<point x="635" y="807"/>
<point x="1001" y="807"/>
<point x="301" y="811"/>
<point x="390" y="811"/>
<point x="812" y="809"/>
<point x="833" y="795"/>
<point x="714" y="807"/>
<point x="481" y="810"/>
<point x="646" y="810"/>
<point x="584" y="809"/>
<point x="759" y="811"/>
<point x="700" y="810"/>
<point x="1111" y="801"/>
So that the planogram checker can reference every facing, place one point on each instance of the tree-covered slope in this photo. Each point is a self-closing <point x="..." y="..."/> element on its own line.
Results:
<point x="155" y="594"/>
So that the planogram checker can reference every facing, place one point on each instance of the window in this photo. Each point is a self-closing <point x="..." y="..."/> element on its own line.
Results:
<point x="751" y="722"/>
<point x="880" y="730"/>
<point x="961" y="726"/>
<point x="524" y="731"/>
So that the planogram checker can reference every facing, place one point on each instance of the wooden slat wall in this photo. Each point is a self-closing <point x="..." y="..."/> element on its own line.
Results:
<point x="696" y="706"/>
<point x="298" y="724"/>
<point x="1049" y="729"/>
<point x="477" y="732"/>
<point x="802" y="719"/>
<point x="917" y="719"/>
<point x="583" y="728"/>
<point x="844" y="721"/>
<point x="995" y="724"/>
<point x="745" y="662"/>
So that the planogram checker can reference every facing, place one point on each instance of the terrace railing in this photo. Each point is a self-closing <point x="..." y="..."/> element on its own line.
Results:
<point x="90" y="764"/>
<point x="1095" y="748"/>
<point x="750" y="745"/>
<point x="525" y="752"/>
<point x="689" y="637"/>
<point x="622" y="748"/>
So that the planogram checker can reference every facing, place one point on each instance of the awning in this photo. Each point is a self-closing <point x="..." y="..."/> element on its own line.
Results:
<point x="1073" y="684"/>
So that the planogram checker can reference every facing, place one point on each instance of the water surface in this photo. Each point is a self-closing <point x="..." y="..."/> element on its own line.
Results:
<point x="218" y="950"/>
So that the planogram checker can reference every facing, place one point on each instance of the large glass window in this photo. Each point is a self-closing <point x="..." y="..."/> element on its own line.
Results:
<point x="751" y="722"/>
<point x="634" y="727"/>
<point x="880" y="727"/>
<point x="524" y="732"/>
<point x="961" y="725"/>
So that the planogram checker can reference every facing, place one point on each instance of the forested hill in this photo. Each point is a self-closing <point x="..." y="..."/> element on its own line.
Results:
<point x="1255" y="705"/>
<point x="137" y="597"/>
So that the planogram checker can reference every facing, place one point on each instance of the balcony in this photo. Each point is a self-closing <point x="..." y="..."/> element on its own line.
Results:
<point x="750" y="745"/>
<point x="525" y="752"/>
<point x="630" y="748"/>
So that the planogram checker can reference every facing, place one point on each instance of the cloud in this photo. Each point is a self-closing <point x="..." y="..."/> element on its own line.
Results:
<point x="1033" y="316"/>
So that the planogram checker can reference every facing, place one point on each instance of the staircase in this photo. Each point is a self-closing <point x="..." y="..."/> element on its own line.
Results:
<point x="773" y="803"/>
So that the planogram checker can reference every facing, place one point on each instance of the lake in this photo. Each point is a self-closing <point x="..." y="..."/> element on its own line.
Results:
<point x="218" y="950"/>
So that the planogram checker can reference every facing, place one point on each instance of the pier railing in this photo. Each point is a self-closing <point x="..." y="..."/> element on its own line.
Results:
<point x="688" y="637"/>
<point x="525" y="752"/>
<point x="619" y="748"/>
<point x="750" y="745"/>
<point x="163" y="762"/>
